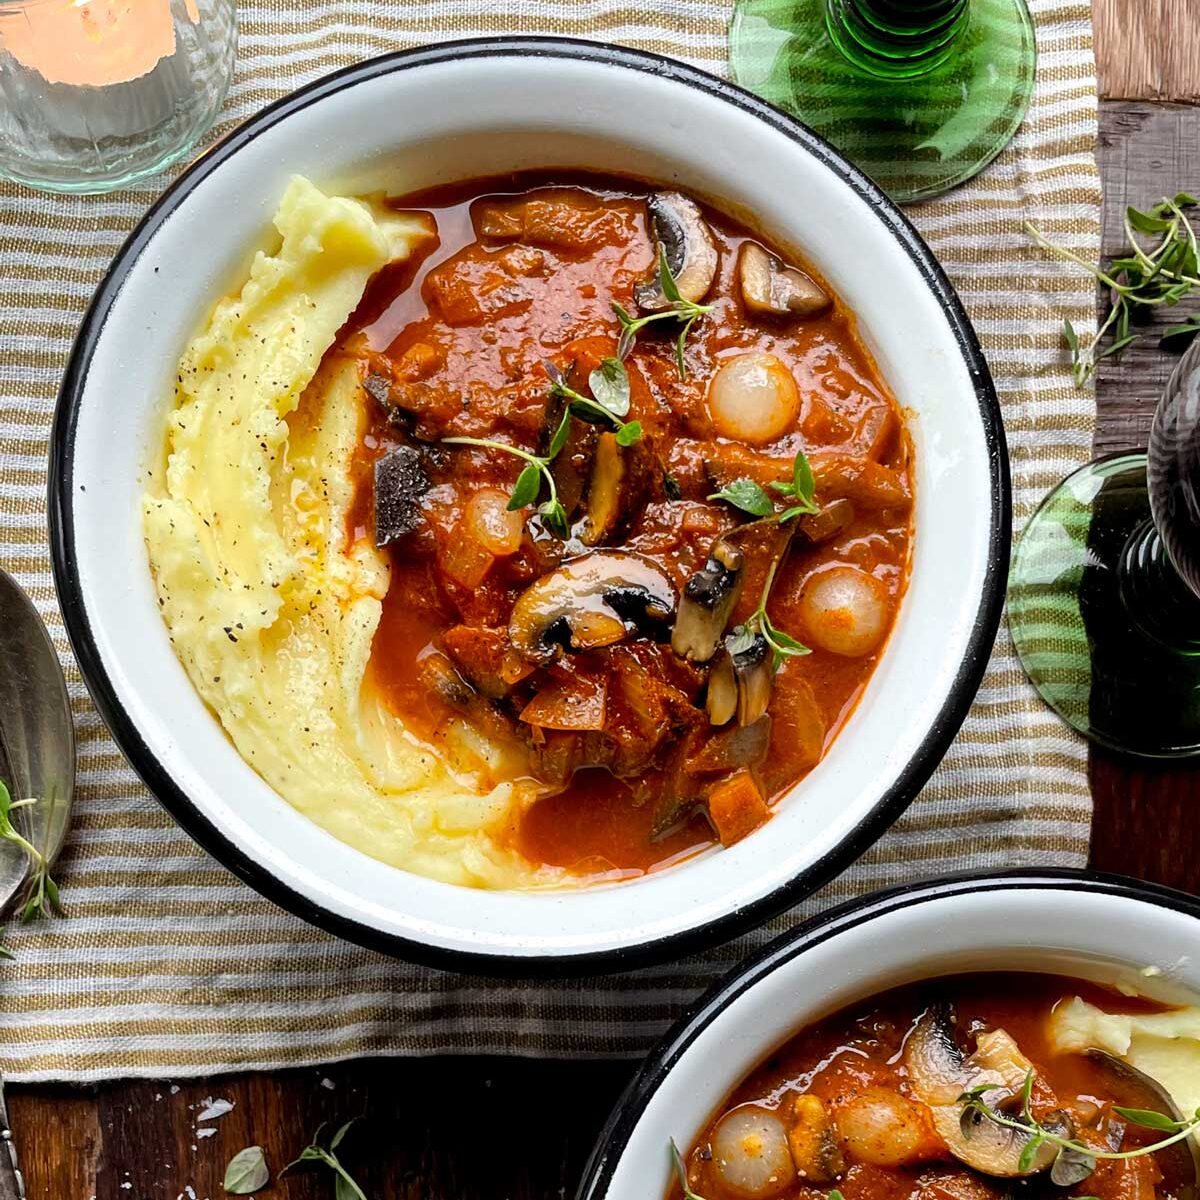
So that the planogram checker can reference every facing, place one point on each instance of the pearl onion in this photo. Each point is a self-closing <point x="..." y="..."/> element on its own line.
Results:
<point x="753" y="398"/>
<point x="750" y="1149"/>
<point x="844" y="611"/>
<point x="880" y="1126"/>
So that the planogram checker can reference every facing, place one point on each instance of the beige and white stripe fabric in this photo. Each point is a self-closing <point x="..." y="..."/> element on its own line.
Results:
<point x="167" y="964"/>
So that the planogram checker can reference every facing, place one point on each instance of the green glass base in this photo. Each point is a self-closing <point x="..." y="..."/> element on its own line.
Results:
<point x="1105" y="644"/>
<point x="916" y="125"/>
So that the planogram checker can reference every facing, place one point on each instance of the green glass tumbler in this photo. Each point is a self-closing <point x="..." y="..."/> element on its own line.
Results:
<point x="920" y="94"/>
<point x="1104" y="592"/>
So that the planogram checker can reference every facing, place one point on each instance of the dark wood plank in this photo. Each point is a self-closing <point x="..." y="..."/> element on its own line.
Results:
<point x="1146" y="151"/>
<point x="1144" y="822"/>
<point x="461" y="1129"/>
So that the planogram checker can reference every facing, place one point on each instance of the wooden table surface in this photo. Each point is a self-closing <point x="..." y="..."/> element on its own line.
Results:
<point x="467" y="1128"/>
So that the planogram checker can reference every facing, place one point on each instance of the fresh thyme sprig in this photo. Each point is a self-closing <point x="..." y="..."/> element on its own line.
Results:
<point x="41" y="896"/>
<point x="782" y="644"/>
<point x="609" y="401"/>
<point x="347" y="1189"/>
<point x="1143" y="279"/>
<point x="537" y="469"/>
<point x="1075" y="1161"/>
<point x="745" y="494"/>
<point x="686" y="312"/>
<point x="609" y="384"/>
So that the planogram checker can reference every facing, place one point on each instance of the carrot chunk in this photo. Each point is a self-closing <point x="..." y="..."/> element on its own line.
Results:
<point x="736" y="807"/>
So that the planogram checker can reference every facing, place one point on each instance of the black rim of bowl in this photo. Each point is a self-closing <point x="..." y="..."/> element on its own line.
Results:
<point x="158" y="777"/>
<point x="627" y="1112"/>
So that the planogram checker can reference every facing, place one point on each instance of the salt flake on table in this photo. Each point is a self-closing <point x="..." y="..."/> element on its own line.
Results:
<point x="213" y="1109"/>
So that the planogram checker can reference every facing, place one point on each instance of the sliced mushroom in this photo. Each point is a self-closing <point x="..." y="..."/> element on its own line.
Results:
<point x="740" y="681"/>
<point x="708" y="599"/>
<point x="681" y="231"/>
<point x="437" y="674"/>
<point x="941" y="1072"/>
<point x="720" y="700"/>
<point x="593" y="601"/>
<point x="621" y="479"/>
<point x="755" y="674"/>
<point x="771" y="288"/>
<point x="400" y="485"/>
<point x="1131" y="1088"/>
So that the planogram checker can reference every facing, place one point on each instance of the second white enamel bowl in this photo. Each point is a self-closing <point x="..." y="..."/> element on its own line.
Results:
<point x="1112" y="931"/>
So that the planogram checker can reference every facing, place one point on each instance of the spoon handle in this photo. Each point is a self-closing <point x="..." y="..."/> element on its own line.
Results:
<point x="12" y="1183"/>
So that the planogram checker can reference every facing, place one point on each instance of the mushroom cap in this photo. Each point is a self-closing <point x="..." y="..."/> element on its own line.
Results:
<point x="771" y="288"/>
<point x="708" y="599"/>
<point x="680" y="229"/>
<point x="589" y="602"/>
<point x="940" y="1073"/>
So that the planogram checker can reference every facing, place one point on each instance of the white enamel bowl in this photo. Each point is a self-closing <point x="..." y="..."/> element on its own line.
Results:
<point x="417" y="119"/>
<point x="1100" y="928"/>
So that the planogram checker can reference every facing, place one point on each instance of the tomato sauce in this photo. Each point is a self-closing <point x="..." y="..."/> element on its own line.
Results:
<point x="861" y="1052"/>
<point x="525" y="271"/>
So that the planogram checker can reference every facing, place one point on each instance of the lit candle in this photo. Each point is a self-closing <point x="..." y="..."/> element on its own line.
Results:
<point x="97" y="68"/>
<point x="91" y="42"/>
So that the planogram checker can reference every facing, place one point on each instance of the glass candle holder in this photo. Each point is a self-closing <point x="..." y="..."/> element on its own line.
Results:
<point x="95" y="94"/>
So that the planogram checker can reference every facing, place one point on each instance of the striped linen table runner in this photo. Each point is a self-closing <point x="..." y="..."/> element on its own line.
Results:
<point x="167" y="964"/>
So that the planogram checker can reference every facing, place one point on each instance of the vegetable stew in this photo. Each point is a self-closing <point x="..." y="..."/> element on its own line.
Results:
<point x="648" y="505"/>
<point x="958" y="1089"/>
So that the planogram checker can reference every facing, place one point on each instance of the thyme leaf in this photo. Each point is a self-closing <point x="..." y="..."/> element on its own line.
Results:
<point x="41" y="895"/>
<point x="536" y="471"/>
<point x="686" y="312"/>
<point x="1147" y="1118"/>
<point x="346" y="1188"/>
<point x="782" y="645"/>
<point x="609" y="400"/>
<point x="746" y="494"/>
<point x="1148" y="276"/>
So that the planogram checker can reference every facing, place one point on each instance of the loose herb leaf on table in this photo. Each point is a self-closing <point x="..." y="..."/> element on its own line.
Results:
<point x="345" y="1187"/>
<point x="1142" y="279"/>
<point x="247" y="1172"/>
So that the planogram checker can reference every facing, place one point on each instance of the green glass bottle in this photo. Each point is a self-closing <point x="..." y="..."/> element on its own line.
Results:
<point x="920" y="94"/>
<point x="1104" y="593"/>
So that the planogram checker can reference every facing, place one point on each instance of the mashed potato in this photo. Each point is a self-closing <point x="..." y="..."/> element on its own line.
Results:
<point x="1165" y="1046"/>
<point x="269" y="606"/>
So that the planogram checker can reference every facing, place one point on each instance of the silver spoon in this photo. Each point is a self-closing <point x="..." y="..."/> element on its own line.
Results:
<point x="1131" y="1088"/>
<point x="37" y="758"/>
